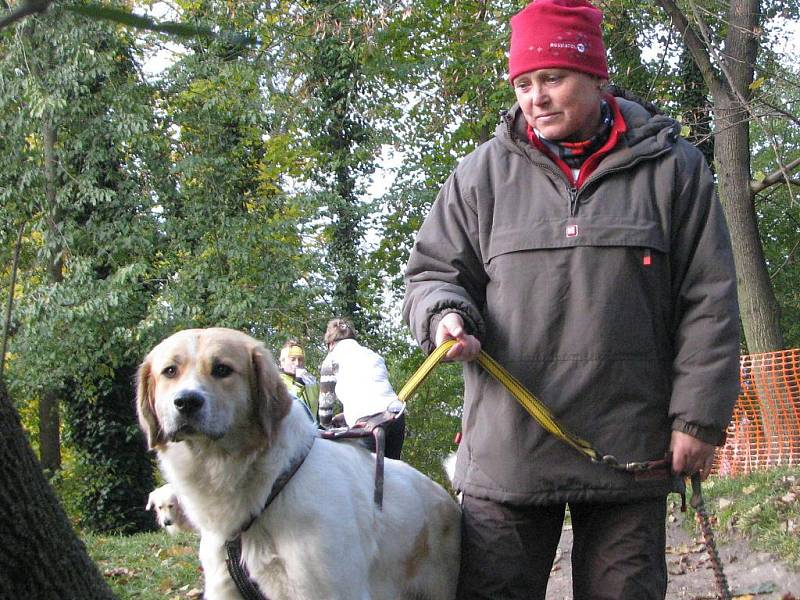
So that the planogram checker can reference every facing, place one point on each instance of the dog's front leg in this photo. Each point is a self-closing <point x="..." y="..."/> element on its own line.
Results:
<point x="218" y="582"/>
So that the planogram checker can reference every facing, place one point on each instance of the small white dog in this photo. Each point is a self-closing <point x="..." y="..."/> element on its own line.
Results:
<point x="212" y="405"/>
<point x="169" y="512"/>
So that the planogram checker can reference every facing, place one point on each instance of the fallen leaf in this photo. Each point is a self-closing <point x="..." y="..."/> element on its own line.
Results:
<point x="749" y="489"/>
<point x="178" y="551"/>
<point x="118" y="572"/>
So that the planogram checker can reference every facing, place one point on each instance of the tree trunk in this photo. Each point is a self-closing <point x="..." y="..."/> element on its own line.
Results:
<point x="760" y="312"/>
<point x="40" y="555"/>
<point x="759" y="308"/>
<point x="49" y="421"/>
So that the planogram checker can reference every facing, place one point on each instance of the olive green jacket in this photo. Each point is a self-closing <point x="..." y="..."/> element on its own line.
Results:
<point x="308" y="394"/>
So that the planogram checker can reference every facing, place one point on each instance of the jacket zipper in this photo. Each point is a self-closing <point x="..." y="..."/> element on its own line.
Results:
<point x="573" y="200"/>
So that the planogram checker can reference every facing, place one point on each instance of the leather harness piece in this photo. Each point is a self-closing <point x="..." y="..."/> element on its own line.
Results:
<point x="366" y="427"/>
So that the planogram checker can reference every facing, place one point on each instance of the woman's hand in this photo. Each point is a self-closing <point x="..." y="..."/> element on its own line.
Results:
<point x="690" y="455"/>
<point x="466" y="348"/>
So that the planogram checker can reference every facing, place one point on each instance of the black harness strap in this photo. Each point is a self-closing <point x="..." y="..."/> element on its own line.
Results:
<point x="233" y="548"/>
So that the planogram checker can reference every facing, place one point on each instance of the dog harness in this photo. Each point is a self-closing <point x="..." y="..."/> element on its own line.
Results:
<point x="233" y="548"/>
<point x="373" y="426"/>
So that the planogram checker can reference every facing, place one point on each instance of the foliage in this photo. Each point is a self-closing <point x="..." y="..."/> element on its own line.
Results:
<point x="83" y="293"/>
<point x="778" y="208"/>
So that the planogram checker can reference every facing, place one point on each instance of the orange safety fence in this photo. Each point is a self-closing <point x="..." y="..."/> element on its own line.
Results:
<point x="764" y="430"/>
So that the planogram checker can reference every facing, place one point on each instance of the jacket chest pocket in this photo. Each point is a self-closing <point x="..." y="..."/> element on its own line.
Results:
<point x="577" y="280"/>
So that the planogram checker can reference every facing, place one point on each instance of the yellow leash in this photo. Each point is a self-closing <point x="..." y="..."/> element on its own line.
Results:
<point x="546" y="419"/>
<point x="529" y="402"/>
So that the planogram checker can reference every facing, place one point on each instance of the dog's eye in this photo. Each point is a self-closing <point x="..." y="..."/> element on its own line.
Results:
<point x="170" y="371"/>
<point x="221" y="371"/>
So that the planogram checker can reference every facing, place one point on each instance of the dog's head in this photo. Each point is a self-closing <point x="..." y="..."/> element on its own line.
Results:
<point x="210" y="383"/>
<point x="169" y="512"/>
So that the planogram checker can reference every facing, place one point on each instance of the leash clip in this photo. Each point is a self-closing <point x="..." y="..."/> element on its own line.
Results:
<point x="632" y="467"/>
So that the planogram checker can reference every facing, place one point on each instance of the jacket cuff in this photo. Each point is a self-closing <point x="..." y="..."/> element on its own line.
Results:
<point x="710" y="435"/>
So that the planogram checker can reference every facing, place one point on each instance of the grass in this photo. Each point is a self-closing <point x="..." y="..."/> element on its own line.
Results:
<point x="763" y="507"/>
<point x="148" y="566"/>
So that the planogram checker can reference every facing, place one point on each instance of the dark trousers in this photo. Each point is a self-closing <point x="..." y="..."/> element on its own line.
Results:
<point x="618" y="550"/>
<point x="393" y="442"/>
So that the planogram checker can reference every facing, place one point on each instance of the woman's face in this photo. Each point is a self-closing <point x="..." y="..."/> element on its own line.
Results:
<point x="562" y="105"/>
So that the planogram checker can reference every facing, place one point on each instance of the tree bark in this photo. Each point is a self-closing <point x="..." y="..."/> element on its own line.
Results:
<point x="40" y="555"/>
<point x="759" y="309"/>
<point x="49" y="420"/>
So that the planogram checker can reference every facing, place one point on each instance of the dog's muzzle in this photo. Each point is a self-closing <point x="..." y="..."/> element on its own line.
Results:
<point x="189" y="402"/>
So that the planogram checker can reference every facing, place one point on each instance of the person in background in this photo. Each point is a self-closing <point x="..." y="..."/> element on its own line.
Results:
<point x="292" y="362"/>
<point x="584" y="248"/>
<point x="357" y="377"/>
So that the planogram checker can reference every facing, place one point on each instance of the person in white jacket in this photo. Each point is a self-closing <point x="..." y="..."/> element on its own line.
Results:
<point x="357" y="377"/>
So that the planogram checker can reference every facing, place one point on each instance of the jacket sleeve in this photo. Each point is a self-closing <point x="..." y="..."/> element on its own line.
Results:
<point x="705" y="368"/>
<point x="445" y="272"/>
<point x="327" y="390"/>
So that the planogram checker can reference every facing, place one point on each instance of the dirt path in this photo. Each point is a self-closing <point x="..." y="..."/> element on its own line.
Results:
<point x="749" y="573"/>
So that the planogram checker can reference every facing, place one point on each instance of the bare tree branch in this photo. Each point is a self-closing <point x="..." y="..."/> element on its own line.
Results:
<point x="693" y="43"/>
<point x="24" y="9"/>
<point x="782" y="174"/>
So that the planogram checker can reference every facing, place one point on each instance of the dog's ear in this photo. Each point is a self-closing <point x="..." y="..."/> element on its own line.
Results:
<point x="272" y="399"/>
<point x="151" y="503"/>
<point x="145" y="406"/>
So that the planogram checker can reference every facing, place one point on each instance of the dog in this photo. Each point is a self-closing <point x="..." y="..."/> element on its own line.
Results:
<point x="169" y="511"/>
<point x="224" y="427"/>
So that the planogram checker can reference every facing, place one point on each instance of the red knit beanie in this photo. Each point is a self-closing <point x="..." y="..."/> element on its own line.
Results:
<point x="557" y="34"/>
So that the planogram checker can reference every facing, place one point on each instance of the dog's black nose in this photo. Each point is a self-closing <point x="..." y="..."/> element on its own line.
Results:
<point x="167" y="522"/>
<point x="188" y="402"/>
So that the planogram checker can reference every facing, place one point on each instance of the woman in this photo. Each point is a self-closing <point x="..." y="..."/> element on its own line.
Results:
<point x="583" y="247"/>
<point x="357" y="377"/>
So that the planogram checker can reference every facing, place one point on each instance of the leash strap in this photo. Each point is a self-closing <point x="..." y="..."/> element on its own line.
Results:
<point x="371" y="426"/>
<point x="545" y="418"/>
<point x="699" y="506"/>
<point x="529" y="402"/>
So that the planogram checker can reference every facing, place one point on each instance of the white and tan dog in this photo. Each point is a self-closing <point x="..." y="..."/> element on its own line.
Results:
<point x="169" y="511"/>
<point x="212" y="405"/>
